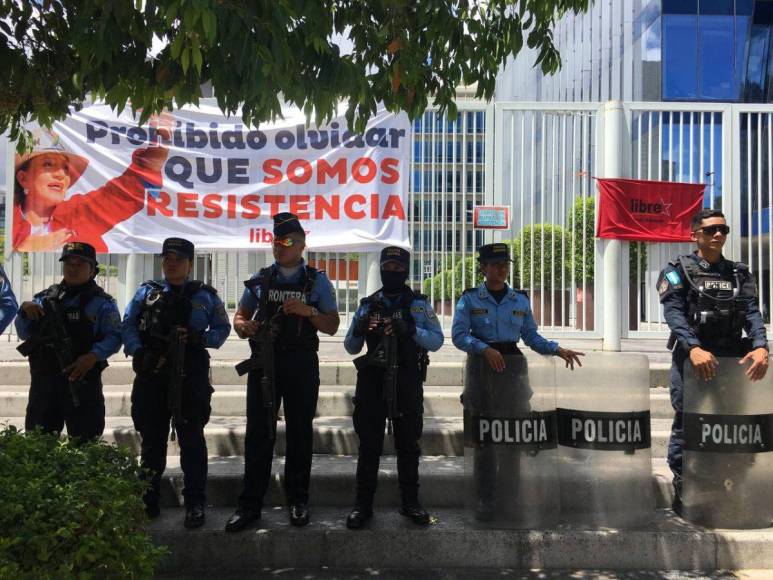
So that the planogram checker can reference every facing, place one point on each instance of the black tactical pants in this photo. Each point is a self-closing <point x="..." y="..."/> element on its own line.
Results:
<point x="297" y="389"/>
<point x="151" y="416"/>
<point x="370" y="413"/>
<point x="51" y="406"/>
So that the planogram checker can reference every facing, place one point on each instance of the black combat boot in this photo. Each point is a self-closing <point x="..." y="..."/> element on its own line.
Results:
<point x="242" y="518"/>
<point x="194" y="516"/>
<point x="359" y="516"/>
<point x="416" y="513"/>
<point x="299" y="514"/>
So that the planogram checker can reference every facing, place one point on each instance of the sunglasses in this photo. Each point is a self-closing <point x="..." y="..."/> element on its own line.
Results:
<point x="284" y="242"/>
<point x="711" y="230"/>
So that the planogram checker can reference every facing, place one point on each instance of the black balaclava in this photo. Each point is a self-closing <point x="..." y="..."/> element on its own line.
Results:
<point x="393" y="282"/>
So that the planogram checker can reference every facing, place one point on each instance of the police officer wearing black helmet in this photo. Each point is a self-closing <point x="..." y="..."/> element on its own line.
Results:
<point x="708" y="301"/>
<point x="294" y="301"/>
<point x="89" y="317"/>
<point x="394" y="311"/>
<point x="159" y="317"/>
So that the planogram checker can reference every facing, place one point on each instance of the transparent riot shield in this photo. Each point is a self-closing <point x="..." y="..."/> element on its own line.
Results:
<point x="728" y="449"/>
<point x="510" y="443"/>
<point x="604" y="455"/>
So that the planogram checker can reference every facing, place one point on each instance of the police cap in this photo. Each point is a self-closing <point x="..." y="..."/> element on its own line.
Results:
<point x="178" y="246"/>
<point x="81" y="250"/>
<point x="491" y="253"/>
<point x="397" y="255"/>
<point x="286" y="223"/>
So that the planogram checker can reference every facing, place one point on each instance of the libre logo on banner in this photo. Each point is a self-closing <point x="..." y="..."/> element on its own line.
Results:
<point x="647" y="211"/>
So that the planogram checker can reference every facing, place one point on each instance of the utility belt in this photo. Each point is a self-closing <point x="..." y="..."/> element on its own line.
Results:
<point x="506" y="347"/>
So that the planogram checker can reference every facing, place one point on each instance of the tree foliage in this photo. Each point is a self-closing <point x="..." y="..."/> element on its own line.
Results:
<point x="257" y="53"/>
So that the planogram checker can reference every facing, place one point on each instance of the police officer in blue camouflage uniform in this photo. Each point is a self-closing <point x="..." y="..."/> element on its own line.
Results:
<point x="489" y="321"/>
<point x="297" y="301"/>
<point x="157" y="314"/>
<point x="71" y="396"/>
<point x="8" y="305"/>
<point x="396" y="310"/>
<point x="707" y="302"/>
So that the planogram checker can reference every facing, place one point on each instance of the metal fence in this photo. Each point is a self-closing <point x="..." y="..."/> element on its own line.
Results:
<point x="540" y="160"/>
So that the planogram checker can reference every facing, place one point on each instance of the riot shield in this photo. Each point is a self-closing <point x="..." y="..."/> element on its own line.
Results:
<point x="604" y="455"/>
<point x="510" y="443"/>
<point x="728" y="449"/>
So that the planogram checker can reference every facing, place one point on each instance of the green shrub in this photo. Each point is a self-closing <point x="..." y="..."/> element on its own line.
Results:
<point x="550" y="247"/>
<point x="70" y="511"/>
<point x="583" y="214"/>
<point x="448" y="282"/>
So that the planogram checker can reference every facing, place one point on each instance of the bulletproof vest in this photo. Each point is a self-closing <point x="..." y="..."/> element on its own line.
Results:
<point x="78" y="326"/>
<point x="293" y="332"/>
<point x="410" y="353"/>
<point x="717" y="302"/>
<point x="163" y="310"/>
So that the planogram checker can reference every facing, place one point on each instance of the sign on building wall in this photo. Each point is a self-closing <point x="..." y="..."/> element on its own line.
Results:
<point x="98" y="177"/>
<point x="491" y="217"/>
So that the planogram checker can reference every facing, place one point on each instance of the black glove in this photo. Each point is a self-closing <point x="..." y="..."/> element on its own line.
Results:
<point x="361" y="327"/>
<point x="404" y="328"/>
<point x="138" y="359"/>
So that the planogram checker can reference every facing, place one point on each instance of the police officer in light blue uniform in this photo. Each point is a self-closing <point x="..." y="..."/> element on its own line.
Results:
<point x="8" y="304"/>
<point x="149" y="320"/>
<point x="493" y="317"/>
<point x="298" y="301"/>
<point x="394" y="310"/>
<point x="93" y="324"/>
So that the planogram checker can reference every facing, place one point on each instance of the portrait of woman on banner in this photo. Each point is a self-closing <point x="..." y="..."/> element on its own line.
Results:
<point x="45" y="217"/>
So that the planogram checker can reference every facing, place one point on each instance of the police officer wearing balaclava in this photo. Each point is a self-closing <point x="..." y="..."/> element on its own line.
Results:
<point x="159" y="316"/>
<point x="89" y="317"/>
<point x="296" y="301"/>
<point x="708" y="301"/>
<point x="393" y="311"/>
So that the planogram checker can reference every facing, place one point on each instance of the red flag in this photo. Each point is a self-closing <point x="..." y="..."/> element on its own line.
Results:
<point x="647" y="211"/>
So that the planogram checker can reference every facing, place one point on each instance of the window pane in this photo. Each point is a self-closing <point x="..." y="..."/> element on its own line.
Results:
<point x="716" y="57"/>
<point x="742" y="24"/>
<point x="755" y="71"/>
<point x="716" y="7"/>
<point x="680" y="6"/>
<point x="680" y="62"/>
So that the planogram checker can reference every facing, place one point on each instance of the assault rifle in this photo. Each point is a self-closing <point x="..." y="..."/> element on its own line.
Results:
<point x="176" y="365"/>
<point x="262" y="358"/>
<point x="385" y="356"/>
<point x="53" y="334"/>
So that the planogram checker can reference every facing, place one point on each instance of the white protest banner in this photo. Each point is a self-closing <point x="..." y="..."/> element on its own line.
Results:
<point x="98" y="177"/>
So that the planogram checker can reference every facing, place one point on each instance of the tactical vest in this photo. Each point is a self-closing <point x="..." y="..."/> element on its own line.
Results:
<point x="293" y="332"/>
<point x="163" y="310"/>
<point x="717" y="304"/>
<point x="79" y="327"/>
<point x="410" y="353"/>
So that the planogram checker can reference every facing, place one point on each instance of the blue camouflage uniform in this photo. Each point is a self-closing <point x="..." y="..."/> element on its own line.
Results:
<point x="94" y="325"/>
<point x="8" y="304"/>
<point x="480" y="322"/>
<point x="678" y="300"/>
<point x="155" y="308"/>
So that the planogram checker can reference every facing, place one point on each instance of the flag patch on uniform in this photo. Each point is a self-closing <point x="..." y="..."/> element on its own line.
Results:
<point x="663" y="287"/>
<point x="673" y="277"/>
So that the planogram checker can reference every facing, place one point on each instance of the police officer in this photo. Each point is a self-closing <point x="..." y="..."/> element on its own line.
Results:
<point x="8" y="305"/>
<point x="159" y="316"/>
<point x="395" y="310"/>
<point x="71" y="395"/>
<point x="707" y="302"/>
<point x="490" y="320"/>
<point x="297" y="301"/>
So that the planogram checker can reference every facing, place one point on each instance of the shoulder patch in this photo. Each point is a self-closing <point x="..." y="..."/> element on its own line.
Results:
<point x="663" y="288"/>
<point x="673" y="277"/>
